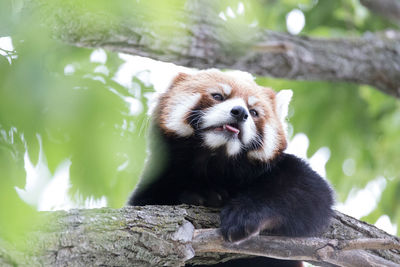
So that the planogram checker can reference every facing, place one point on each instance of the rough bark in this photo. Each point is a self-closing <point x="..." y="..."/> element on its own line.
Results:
<point x="175" y="235"/>
<point x="386" y="8"/>
<point x="195" y="36"/>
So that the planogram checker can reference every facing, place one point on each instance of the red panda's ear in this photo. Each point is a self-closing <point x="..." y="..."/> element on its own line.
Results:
<point x="179" y="78"/>
<point x="283" y="98"/>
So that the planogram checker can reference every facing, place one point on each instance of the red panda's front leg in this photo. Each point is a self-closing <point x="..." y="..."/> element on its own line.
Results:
<point x="244" y="217"/>
<point x="291" y="201"/>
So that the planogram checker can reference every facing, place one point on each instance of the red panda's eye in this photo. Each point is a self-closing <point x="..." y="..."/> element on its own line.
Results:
<point x="217" y="97"/>
<point x="253" y="112"/>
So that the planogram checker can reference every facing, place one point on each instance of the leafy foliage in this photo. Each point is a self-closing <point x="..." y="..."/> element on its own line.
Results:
<point x="83" y="116"/>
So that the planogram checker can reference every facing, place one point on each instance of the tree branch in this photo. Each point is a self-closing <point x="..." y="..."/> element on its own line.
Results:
<point x="196" y="40"/>
<point x="386" y="8"/>
<point x="175" y="235"/>
<point x="307" y="249"/>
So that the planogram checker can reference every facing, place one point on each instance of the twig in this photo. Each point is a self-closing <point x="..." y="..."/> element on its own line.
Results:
<point x="368" y="243"/>
<point x="8" y="52"/>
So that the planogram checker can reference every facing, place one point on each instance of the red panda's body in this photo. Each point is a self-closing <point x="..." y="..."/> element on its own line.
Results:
<point x="218" y="140"/>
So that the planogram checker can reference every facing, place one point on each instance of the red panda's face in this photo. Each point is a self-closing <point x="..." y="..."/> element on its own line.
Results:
<point x="225" y="111"/>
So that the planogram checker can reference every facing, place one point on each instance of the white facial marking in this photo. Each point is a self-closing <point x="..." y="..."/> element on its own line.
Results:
<point x="270" y="141"/>
<point x="249" y="131"/>
<point x="220" y="113"/>
<point x="176" y="119"/>
<point x="233" y="147"/>
<point x="252" y="100"/>
<point x="226" y="88"/>
<point x="214" y="140"/>
<point x="242" y="75"/>
<point x="269" y="146"/>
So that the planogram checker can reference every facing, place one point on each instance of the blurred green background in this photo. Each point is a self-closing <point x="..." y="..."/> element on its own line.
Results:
<point x="64" y="103"/>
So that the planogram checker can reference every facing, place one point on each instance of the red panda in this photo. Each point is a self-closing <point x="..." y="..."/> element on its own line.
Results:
<point x="218" y="140"/>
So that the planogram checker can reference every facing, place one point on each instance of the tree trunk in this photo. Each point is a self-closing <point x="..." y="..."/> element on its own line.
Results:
<point x="195" y="36"/>
<point x="175" y="235"/>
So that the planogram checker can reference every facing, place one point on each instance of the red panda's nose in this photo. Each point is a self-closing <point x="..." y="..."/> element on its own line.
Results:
<point x="239" y="113"/>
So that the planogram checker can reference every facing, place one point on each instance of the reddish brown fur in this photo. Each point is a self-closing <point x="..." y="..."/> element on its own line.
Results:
<point x="207" y="82"/>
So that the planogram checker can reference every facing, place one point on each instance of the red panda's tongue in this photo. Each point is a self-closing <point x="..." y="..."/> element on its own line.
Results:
<point x="231" y="129"/>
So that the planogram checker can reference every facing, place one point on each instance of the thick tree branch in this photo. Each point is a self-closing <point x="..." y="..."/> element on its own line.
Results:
<point x="197" y="37"/>
<point x="386" y="8"/>
<point x="173" y="236"/>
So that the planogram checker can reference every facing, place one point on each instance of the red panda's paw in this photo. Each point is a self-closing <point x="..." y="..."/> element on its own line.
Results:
<point x="237" y="225"/>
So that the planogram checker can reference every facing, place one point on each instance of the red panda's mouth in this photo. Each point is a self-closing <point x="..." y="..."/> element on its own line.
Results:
<point x="232" y="128"/>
